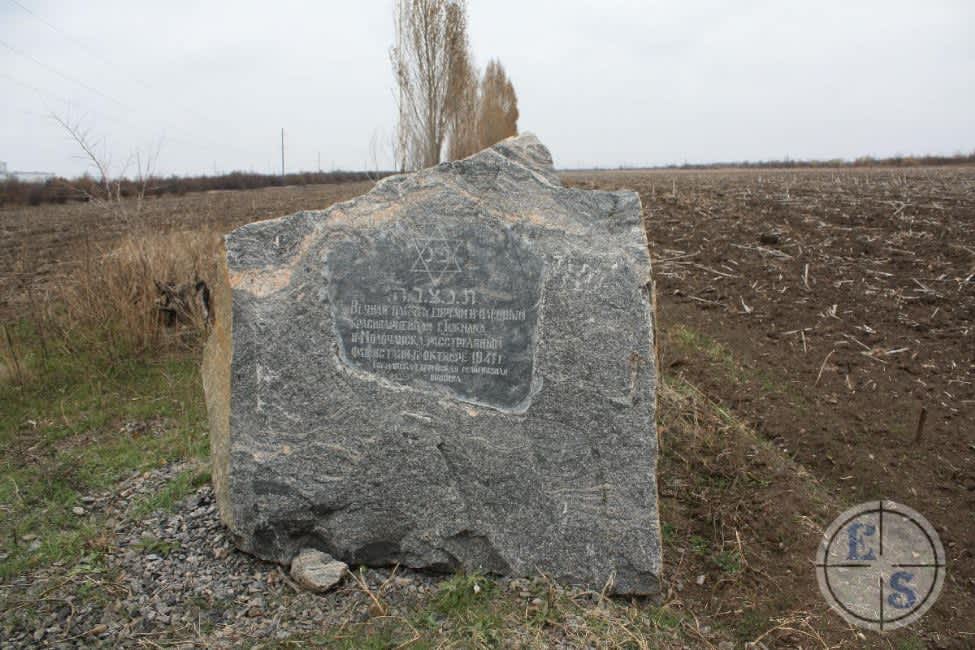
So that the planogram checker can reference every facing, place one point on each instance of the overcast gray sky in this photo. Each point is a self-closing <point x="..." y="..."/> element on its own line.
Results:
<point x="603" y="83"/>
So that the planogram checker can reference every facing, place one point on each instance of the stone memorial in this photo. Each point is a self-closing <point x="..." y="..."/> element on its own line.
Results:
<point x="453" y="371"/>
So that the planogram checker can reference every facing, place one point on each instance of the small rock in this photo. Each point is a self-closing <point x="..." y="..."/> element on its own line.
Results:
<point x="317" y="571"/>
<point x="78" y="510"/>
<point x="98" y="630"/>
<point x="402" y="581"/>
<point x="700" y="579"/>
<point x="769" y="238"/>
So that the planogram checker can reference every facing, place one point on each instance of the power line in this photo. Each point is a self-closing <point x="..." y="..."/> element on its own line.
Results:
<point x="95" y="54"/>
<point x="197" y="139"/>
<point x="62" y="74"/>
<point x="60" y="98"/>
<point x="62" y="33"/>
<point x="106" y="116"/>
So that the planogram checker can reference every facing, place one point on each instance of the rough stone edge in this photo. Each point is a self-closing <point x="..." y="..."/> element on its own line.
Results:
<point x="524" y="150"/>
<point x="215" y="373"/>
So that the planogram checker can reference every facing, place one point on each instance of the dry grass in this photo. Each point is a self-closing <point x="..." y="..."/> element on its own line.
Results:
<point x="114" y="298"/>
<point x="41" y="245"/>
<point x="84" y="277"/>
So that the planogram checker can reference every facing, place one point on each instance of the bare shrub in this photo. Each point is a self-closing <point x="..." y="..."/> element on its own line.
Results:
<point x="107" y="191"/>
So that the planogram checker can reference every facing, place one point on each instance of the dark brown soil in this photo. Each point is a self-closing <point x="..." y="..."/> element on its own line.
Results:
<point x="828" y="309"/>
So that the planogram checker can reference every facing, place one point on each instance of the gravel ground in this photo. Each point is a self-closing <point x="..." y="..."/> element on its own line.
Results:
<point x="175" y="578"/>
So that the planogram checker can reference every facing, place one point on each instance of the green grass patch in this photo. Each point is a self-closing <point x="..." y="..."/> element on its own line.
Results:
<point x="692" y="340"/>
<point x="752" y="624"/>
<point x="472" y="611"/>
<point x="185" y="483"/>
<point x="463" y="591"/>
<point x="77" y="424"/>
<point x="666" y="618"/>
<point x="668" y="531"/>
<point x="699" y="545"/>
<point x="728" y="561"/>
<point x="466" y="601"/>
<point x="156" y="546"/>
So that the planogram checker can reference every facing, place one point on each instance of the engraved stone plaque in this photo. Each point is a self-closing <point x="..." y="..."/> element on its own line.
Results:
<point x="454" y="309"/>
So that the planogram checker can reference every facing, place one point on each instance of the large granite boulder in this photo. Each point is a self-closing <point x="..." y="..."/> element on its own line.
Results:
<point x="455" y="370"/>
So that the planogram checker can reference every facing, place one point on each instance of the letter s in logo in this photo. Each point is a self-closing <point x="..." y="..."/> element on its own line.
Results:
<point x="904" y="596"/>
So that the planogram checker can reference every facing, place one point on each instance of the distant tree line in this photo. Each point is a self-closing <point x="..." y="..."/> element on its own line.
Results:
<point x="446" y="108"/>
<point x="862" y="161"/>
<point x="62" y="190"/>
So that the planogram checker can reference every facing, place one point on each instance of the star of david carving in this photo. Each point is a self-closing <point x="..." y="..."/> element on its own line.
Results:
<point x="437" y="257"/>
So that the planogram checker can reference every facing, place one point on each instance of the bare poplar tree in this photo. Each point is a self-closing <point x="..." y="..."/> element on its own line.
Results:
<point x="428" y="34"/>
<point x="462" y="94"/>
<point x="498" y="111"/>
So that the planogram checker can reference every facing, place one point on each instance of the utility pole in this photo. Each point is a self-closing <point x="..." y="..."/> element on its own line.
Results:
<point x="282" y="153"/>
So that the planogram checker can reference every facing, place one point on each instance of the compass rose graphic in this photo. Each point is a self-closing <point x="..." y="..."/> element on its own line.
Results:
<point x="880" y="565"/>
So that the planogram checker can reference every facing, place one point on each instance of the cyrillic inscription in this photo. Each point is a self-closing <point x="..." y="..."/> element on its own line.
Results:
<point x="424" y="308"/>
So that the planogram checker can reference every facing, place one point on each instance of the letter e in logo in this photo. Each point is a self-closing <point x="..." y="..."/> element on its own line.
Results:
<point x="856" y="543"/>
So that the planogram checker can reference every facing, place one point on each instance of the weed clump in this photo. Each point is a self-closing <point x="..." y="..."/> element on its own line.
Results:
<point x="147" y="293"/>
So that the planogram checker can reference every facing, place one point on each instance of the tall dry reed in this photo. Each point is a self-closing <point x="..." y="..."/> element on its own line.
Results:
<point x="119" y="298"/>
